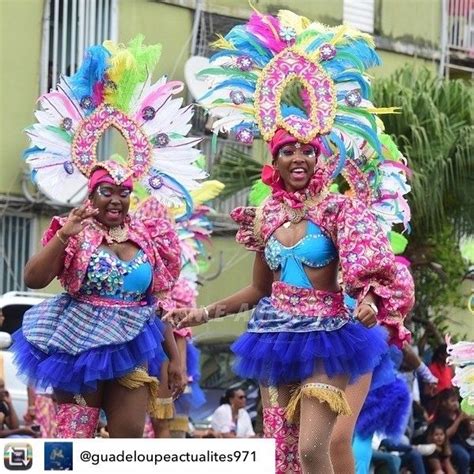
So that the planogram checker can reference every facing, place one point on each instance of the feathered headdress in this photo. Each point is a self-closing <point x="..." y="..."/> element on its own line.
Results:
<point x="461" y="355"/>
<point x="113" y="88"/>
<point x="194" y="236"/>
<point x="288" y="73"/>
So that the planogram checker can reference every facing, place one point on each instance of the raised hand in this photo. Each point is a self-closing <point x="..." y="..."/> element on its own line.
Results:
<point x="78" y="219"/>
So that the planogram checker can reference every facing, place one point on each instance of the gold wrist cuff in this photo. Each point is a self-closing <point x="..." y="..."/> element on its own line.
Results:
<point x="61" y="238"/>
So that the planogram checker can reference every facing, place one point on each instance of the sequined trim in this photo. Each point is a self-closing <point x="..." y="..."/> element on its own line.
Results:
<point x="308" y="302"/>
<point x="106" y="272"/>
<point x="109" y="302"/>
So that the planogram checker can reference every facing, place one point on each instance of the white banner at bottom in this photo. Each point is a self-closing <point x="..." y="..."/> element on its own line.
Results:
<point x="164" y="456"/>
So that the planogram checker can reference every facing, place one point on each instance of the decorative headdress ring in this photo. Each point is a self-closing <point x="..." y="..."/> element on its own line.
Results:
<point x="288" y="73"/>
<point x="113" y="88"/>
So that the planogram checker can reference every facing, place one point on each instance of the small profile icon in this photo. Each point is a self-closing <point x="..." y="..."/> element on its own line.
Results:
<point x="58" y="456"/>
<point x="18" y="456"/>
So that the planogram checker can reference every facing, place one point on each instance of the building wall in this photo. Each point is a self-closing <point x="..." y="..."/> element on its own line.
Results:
<point x="20" y="45"/>
<point x="160" y="23"/>
<point x="391" y="62"/>
<point x="416" y="22"/>
<point x="236" y="274"/>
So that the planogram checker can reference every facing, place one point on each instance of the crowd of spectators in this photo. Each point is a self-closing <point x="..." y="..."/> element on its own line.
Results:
<point x="439" y="437"/>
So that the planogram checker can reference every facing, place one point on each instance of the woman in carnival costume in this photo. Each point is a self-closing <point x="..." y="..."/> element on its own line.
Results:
<point x="302" y="86"/>
<point x="194" y="232"/>
<point x="100" y="344"/>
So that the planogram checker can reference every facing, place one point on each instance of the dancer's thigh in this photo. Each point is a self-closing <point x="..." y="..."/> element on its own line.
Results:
<point x="355" y="395"/>
<point x="91" y="399"/>
<point x="125" y="410"/>
<point x="316" y="418"/>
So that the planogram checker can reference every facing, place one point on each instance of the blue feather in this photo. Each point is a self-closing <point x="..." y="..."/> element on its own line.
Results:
<point x="29" y="151"/>
<point x="365" y="131"/>
<point x="354" y="77"/>
<point x="232" y="83"/>
<point x="315" y="44"/>
<point x="326" y="151"/>
<point x="91" y="71"/>
<point x="246" y="41"/>
<point x="363" y="51"/>
<point x="179" y="188"/>
<point x="342" y="154"/>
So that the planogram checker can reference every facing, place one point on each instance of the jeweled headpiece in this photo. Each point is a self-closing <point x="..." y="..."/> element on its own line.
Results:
<point x="113" y="88"/>
<point x="287" y="74"/>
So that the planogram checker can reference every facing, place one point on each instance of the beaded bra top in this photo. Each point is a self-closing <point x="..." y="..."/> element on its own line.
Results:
<point x="111" y="277"/>
<point x="314" y="250"/>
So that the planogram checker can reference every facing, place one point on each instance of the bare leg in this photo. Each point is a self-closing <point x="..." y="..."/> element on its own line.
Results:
<point x="317" y="421"/>
<point x="125" y="410"/>
<point x="341" y="439"/>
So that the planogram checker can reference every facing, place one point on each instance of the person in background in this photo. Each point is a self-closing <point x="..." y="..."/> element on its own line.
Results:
<point x="449" y="416"/>
<point x="438" y="367"/>
<point x="231" y="419"/>
<point x="9" y="422"/>
<point x="439" y="462"/>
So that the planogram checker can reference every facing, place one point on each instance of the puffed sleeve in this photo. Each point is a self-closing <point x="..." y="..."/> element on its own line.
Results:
<point x="247" y="234"/>
<point x="165" y="242"/>
<point x="55" y="224"/>
<point x="369" y="265"/>
<point x="71" y="247"/>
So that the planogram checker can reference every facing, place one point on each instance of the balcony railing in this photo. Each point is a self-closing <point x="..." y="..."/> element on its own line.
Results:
<point x="461" y="26"/>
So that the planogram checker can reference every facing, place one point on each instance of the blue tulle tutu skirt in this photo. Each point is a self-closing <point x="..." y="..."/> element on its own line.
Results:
<point x="279" y="358"/>
<point x="80" y="373"/>
<point x="193" y="397"/>
<point x="385" y="410"/>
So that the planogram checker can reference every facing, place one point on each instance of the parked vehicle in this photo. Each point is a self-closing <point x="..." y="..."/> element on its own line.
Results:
<point x="12" y="307"/>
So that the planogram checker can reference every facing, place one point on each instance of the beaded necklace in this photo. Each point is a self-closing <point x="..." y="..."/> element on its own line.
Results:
<point x="117" y="234"/>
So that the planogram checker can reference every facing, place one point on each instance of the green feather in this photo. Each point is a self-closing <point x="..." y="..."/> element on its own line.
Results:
<point x="61" y="132"/>
<point x="258" y="193"/>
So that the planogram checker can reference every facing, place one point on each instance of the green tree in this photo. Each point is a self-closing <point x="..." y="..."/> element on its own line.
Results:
<point x="435" y="132"/>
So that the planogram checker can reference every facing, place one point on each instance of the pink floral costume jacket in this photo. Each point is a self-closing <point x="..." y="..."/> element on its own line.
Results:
<point x="149" y="229"/>
<point x="106" y="323"/>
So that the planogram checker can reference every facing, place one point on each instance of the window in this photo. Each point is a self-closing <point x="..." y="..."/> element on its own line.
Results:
<point x="359" y="14"/>
<point x="16" y="237"/>
<point x="69" y="27"/>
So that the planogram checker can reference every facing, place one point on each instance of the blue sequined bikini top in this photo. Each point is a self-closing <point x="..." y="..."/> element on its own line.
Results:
<point x="111" y="277"/>
<point x="314" y="250"/>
